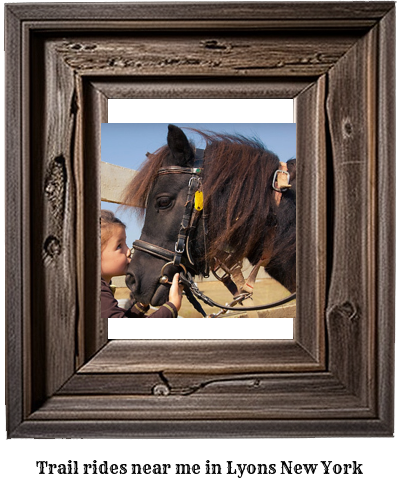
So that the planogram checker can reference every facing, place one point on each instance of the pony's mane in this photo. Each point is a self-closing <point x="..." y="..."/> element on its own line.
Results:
<point x="136" y="192"/>
<point x="238" y="200"/>
<point x="238" y="176"/>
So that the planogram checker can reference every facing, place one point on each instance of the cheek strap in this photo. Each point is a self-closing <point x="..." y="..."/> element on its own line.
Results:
<point x="281" y="181"/>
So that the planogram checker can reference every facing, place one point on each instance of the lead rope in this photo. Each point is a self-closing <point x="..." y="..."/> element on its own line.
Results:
<point x="189" y="283"/>
<point x="190" y="296"/>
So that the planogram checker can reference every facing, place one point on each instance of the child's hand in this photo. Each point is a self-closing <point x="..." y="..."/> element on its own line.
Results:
<point x="175" y="293"/>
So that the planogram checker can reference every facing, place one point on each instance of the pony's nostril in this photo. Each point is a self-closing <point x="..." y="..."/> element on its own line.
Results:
<point x="130" y="281"/>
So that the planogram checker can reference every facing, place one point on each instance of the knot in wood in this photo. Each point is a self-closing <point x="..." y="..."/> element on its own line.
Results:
<point x="52" y="246"/>
<point x="349" y="310"/>
<point x="50" y="189"/>
<point x="347" y="128"/>
<point x="54" y="185"/>
<point x="213" y="44"/>
<point x="161" y="390"/>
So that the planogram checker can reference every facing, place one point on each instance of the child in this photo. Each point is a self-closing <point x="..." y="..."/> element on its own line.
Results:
<point x="115" y="258"/>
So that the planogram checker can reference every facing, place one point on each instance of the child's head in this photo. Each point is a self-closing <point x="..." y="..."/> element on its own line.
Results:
<point x="115" y="254"/>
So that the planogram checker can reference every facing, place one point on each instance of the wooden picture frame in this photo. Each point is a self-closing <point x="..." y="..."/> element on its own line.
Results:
<point x="336" y="376"/>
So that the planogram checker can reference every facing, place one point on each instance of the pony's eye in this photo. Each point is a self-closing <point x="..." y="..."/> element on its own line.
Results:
<point x="163" y="202"/>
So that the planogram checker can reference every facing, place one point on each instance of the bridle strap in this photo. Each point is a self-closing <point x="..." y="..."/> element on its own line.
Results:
<point x="179" y="170"/>
<point x="154" y="250"/>
<point x="281" y="181"/>
<point x="185" y="225"/>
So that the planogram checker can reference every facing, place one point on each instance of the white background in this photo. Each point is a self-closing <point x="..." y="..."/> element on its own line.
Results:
<point x="378" y="456"/>
<point x="198" y="329"/>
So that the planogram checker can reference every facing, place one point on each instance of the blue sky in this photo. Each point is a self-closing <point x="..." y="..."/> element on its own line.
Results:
<point x="125" y="144"/>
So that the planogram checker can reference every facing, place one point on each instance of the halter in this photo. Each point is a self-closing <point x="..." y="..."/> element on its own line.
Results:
<point x="181" y="256"/>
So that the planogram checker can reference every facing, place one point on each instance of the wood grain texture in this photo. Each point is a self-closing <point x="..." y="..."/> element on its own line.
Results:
<point x="385" y="245"/>
<point x="351" y="109"/>
<point x="193" y="428"/>
<point x="203" y="407"/>
<point x="311" y="218"/>
<point x="114" y="383"/>
<point x="53" y="196"/>
<point x="200" y="356"/>
<point x="93" y="330"/>
<point x="17" y="260"/>
<point x="184" y="383"/>
<point x="277" y="396"/>
<point x="175" y="87"/>
<point x="336" y="60"/>
<point x="362" y="13"/>
<point x="243" y="55"/>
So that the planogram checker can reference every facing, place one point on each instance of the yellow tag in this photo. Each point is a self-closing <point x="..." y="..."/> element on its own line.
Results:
<point x="199" y="200"/>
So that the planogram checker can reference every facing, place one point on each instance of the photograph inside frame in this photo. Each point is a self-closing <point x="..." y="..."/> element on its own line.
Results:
<point x="214" y="203"/>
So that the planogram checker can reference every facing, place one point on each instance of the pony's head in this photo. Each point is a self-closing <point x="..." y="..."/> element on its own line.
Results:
<point x="163" y="197"/>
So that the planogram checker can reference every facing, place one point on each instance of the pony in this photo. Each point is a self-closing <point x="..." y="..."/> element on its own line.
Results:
<point x="239" y="215"/>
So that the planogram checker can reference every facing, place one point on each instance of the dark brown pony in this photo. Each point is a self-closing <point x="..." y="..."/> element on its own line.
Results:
<point x="240" y="217"/>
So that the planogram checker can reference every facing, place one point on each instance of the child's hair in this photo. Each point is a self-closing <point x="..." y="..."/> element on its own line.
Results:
<point x="107" y="221"/>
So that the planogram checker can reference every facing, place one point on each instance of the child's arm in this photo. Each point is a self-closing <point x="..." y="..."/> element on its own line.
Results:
<point x="110" y="308"/>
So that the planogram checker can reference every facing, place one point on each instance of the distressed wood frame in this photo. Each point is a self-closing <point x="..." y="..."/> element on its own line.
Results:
<point x="336" y="376"/>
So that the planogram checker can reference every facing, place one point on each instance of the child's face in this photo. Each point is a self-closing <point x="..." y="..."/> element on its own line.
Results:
<point x="115" y="256"/>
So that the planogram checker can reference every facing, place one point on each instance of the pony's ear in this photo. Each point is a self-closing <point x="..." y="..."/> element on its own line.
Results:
<point x="179" y="146"/>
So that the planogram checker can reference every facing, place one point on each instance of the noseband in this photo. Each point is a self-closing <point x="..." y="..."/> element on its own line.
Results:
<point x="181" y="256"/>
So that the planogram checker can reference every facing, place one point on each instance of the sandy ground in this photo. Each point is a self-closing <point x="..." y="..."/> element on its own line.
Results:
<point x="266" y="290"/>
